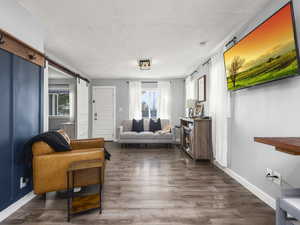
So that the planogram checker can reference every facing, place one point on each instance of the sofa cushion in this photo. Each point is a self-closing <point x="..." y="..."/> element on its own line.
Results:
<point x="145" y="135"/>
<point x="158" y="135"/>
<point x="128" y="135"/>
<point x="136" y="135"/>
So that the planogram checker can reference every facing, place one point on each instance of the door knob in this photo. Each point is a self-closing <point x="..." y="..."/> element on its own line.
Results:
<point x="95" y="116"/>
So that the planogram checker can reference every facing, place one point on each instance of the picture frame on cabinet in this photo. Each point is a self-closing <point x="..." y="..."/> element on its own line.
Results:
<point x="202" y="89"/>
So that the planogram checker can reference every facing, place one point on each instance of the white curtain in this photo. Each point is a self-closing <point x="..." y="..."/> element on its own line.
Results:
<point x="135" y="103"/>
<point x="218" y="106"/>
<point x="164" y="102"/>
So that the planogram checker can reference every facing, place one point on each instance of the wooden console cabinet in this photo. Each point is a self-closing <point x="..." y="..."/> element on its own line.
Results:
<point x="196" y="138"/>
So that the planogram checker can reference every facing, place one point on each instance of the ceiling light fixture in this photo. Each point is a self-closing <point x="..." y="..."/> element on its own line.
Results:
<point x="144" y="64"/>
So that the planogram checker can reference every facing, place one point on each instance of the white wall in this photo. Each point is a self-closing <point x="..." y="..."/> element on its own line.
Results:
<point x="268" y="110"/>
<point x="17" y="21"/>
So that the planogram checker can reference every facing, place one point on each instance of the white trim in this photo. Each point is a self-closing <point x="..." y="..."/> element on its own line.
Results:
<point x="251" y="187"/>
<point x="46" y="98"/>
<point x="15" y="206"/>
<point x="114" y="122"/>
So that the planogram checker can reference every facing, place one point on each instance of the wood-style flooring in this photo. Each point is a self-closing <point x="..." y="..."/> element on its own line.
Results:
<point x="157" y="186"/>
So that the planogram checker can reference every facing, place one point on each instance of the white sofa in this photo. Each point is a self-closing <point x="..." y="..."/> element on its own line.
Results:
<point x="126" y="136"/>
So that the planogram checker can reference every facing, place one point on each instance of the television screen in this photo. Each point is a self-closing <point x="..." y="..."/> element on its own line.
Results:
<point x="266" y="54"/>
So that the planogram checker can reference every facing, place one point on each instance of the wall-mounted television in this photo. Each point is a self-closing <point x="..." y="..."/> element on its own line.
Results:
<point x="267" y="53"/>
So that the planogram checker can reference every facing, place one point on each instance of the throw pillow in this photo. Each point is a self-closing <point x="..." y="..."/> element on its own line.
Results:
<point x="155" y="125"/>
<point x="137" y="125"/>
<point x="65" y="136"/>
<point x="167" y="128"/>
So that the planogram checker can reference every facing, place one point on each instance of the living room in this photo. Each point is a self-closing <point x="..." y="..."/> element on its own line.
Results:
<point x="162" y="112"/>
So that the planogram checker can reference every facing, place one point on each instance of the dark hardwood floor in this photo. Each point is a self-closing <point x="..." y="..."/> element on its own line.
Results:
<point x="157" y="186"/>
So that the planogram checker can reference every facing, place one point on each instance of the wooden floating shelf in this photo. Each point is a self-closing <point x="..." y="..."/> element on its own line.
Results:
<point x="289" y="145"/>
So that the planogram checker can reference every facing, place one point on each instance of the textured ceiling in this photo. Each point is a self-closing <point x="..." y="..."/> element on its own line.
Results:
<point x="104" y="38"/>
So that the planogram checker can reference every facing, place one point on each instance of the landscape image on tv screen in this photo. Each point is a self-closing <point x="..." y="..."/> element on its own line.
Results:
<point x="268" y="53"/>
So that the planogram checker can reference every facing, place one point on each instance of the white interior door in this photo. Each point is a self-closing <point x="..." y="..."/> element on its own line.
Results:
<point x="82" y="109"/>
<point x="104" y="112"/>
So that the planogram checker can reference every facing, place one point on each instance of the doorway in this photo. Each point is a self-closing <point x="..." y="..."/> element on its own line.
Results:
<point x="62" y="101"/>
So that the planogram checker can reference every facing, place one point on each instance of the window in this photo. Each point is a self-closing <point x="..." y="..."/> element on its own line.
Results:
<point x="150" y="103"/>
<point x="59" y="102"/>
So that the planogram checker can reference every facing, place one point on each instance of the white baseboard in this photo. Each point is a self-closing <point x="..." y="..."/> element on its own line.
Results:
<point x="251" y="187"/>
<point x="15" y="206"/>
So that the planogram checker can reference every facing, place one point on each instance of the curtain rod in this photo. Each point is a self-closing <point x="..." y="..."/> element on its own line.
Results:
<point x="65" y="69"/>
<point x="192" y="74"/>
<point x="206" y="62"/>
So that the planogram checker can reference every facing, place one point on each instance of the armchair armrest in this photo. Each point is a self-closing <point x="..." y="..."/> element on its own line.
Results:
<point x="50" y="170"/>
<point x="87" y="143"/>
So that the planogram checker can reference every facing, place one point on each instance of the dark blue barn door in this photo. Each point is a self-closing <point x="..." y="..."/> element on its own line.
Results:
<point x="27" y="112"/>
<point x="5" y="129"/>
<point x="20" y="119"/>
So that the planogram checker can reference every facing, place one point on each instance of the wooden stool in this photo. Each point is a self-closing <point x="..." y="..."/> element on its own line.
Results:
<point x="88" y="202"/>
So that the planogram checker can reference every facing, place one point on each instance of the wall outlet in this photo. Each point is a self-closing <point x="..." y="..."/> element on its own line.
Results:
<point x="269" y="174"/>
<point x="273" y="176"/>
<point x="276" y="178"/>
<point x="23" y="182"/>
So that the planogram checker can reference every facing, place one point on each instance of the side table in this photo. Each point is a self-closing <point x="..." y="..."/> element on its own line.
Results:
<point x="83" y="203"/>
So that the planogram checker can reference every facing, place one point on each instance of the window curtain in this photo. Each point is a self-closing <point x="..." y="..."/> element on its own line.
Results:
<point x="218" y="106"/>
<point x="135" y="103"/>
<point x="164" y="102"/>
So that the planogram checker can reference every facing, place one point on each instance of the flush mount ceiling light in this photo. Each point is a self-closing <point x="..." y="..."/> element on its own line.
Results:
<point x="144" y="64"/>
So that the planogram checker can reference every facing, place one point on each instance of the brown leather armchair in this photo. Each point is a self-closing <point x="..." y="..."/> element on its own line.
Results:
<point x="50" y="167"/>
